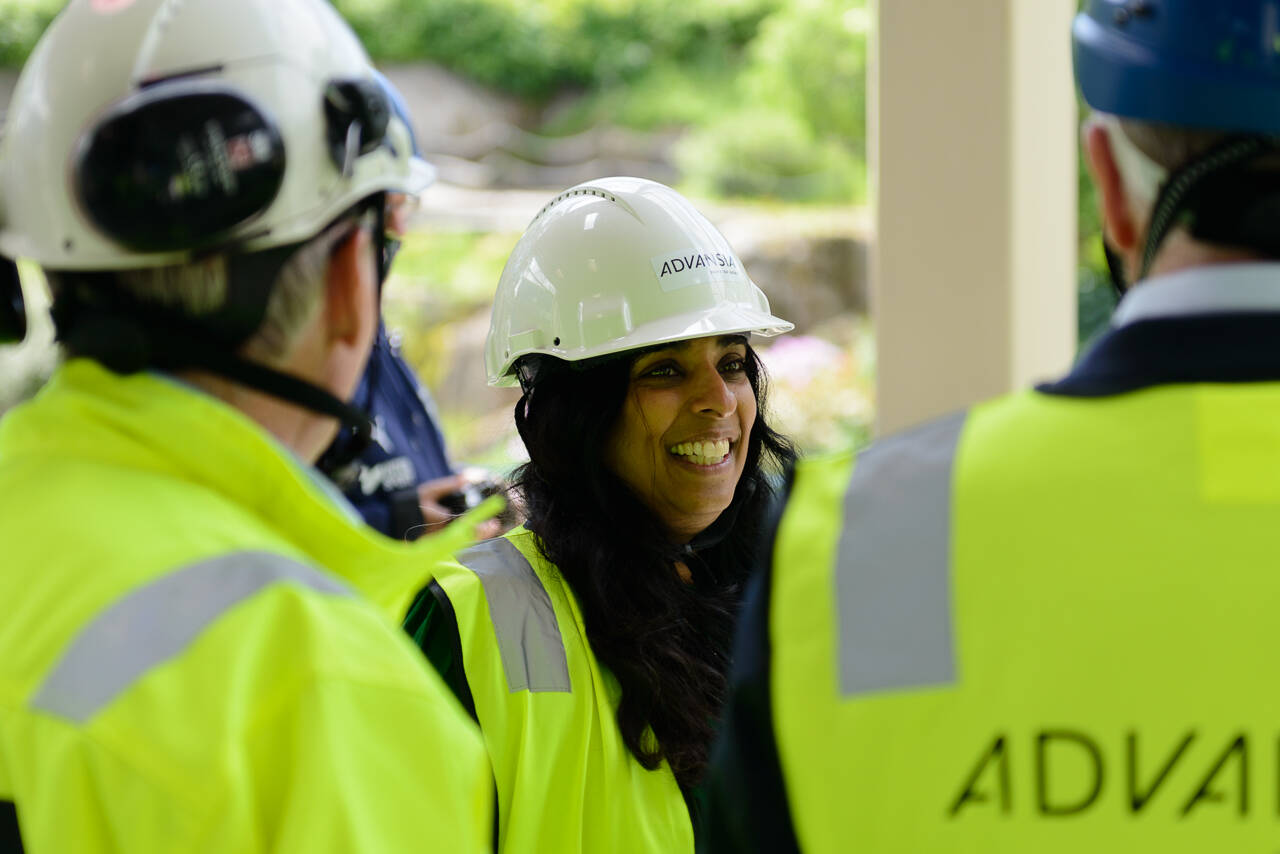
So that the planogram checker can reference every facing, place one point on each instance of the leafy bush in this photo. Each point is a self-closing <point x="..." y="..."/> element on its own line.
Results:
<point x="669" y="95"/>
<point x="772" y="90"/>
<point x="1095" y="297"/>
<point x="772" y="154"/>
<point x="537" y="49"/>
<point x="529" y="49"/>
<point x="21" y="23"/>
<point x="783" y="119"/>
<point x="810" y="59"/>
<point x="800" y="131"/>
<point x="509" y="47"/>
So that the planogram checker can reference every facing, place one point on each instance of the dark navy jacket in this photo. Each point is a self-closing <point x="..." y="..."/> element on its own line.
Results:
<point x="407" y="447"/>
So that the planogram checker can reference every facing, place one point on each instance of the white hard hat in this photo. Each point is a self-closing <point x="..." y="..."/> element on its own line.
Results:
<point x="617" y="264"/>
<point x="142" y="130"/>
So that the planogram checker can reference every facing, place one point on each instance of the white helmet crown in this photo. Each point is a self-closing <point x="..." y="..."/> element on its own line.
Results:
<point x="140" y="131"/>
<point x="618" y="264"/>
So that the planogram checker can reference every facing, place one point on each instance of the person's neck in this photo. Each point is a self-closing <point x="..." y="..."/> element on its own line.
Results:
<point x="1181" y="251"/>
<point x="302" y="431"/>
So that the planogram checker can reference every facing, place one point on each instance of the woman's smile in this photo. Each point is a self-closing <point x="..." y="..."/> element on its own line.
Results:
<point x="680" y="441"/>
<point x="704" y="454"/>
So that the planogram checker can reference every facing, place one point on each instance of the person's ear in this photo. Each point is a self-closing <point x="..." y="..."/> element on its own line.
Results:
<point x="351" y="292"/>
<point x="1119" y="222"/>
<point x="350" y="312"/>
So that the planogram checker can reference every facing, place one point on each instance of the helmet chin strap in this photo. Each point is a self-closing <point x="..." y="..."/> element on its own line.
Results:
<point x="1115" y="267"/>
<point x="1182" y="196"/>
<point x="1219" y="199"/>
<point x="100" y="321"/>
<point x="128" y="339"/>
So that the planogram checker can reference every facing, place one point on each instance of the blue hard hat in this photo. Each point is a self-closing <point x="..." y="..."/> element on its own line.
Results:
<point x="1211" y="64"/>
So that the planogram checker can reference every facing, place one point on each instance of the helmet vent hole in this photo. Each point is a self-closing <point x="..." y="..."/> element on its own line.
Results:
<point x="68" y="244"/>
<point x="568" y="194"/>
<point x="556" y="342"/>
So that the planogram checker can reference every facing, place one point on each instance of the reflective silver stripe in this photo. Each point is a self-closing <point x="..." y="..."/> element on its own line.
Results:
<point x="157" y="622"/>
<point x="523" y="617"/>
<point x="893" y="582"/>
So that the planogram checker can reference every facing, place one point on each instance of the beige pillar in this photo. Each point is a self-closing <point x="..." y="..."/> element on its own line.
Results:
<point x="973" y="167"/>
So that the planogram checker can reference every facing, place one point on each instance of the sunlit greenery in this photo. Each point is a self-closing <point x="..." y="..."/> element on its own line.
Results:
<point x="21" y="23"/>
<point x="1097" y="298"/>
<point x="538" y="49"/>
<point x="784" y="118"/>
<point x="770" y="94"/>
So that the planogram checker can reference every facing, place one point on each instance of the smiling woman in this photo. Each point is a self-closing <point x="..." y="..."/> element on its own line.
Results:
<point x="680" y="441"/>
<point x="592" y="644"/>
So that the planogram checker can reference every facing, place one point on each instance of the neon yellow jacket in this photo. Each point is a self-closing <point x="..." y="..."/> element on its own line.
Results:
<point x="191" y="658"/>
<point x="1048" y="629"/>
<point x="548" y="710"/>
<point x="1044" y="625"/>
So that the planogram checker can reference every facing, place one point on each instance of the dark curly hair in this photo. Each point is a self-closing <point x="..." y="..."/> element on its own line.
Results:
<point x="666" y="641"/>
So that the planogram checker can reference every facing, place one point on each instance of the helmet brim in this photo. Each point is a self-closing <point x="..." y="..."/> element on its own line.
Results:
<point x="722" y="320"/>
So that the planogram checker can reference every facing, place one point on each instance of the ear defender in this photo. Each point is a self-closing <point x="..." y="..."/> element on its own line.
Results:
<point x="357" y="112"/>
<point x="178" y="166"/>
<point x="13" y="311"/>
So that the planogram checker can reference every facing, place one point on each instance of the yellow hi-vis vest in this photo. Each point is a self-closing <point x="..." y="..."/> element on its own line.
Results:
<point x="548" y="711"/>
<point x="1048" y="625"/>
<point x="191" y="657"/>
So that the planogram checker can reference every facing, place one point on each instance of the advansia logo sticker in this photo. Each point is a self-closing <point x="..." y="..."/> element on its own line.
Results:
<point x="693" y="266"/>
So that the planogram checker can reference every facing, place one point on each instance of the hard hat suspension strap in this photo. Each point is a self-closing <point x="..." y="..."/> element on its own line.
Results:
<point x="1181" y="197"/>
<point x="125" y="335"/>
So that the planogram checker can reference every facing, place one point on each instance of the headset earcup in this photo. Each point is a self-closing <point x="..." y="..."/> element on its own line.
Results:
<point x="355" y="102"/>
<point x="178" y="166"/>
<point x="13" y="311"/>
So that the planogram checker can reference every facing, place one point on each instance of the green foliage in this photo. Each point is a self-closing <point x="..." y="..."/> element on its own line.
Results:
<point x="800" y="132"/>
<point x="1096" y="300"/>
<point x="21" y="23"/>
<point x="439" y="279"/>
<point x="771" y="154"/>
<point x="457" y="270"/>
<point x="666" y="96"/>
<point x="772" y="91"/>
<point x="811" y="60"/>
<point x="537" y="49"/>
<point x="510" y="47"/>
<point x="785" y="119"/>
<point x="526" y="48"/>
<point x="1095" y="297"/>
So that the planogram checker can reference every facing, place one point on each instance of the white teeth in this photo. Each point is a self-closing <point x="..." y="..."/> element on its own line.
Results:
<point x="703" y="453"/>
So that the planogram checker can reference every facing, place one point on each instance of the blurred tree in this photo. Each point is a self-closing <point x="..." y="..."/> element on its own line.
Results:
<point x="536" y="50"/>
<point x="21" y="23"/>
<point x="799" y="133"/>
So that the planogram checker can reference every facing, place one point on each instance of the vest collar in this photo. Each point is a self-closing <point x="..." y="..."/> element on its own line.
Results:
<point x="150" y="422"/>
<point x="1217" y="324"/>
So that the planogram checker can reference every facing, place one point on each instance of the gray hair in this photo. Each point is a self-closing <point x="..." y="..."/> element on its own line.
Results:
<point x="199" y="288"/>
<point x="1170" y="147"/>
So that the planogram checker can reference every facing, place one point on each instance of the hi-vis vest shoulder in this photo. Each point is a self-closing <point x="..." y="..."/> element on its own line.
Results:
<point x="182" y="668"/>
<point x="547" y="710"/>
<point x="1046" y="625"/>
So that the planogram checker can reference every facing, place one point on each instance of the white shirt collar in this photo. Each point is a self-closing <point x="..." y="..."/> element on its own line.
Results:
<point x="1216" y="289"/>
